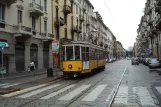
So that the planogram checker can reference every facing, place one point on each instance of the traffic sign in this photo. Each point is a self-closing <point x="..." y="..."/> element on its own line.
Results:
<point x="5" y="44"/>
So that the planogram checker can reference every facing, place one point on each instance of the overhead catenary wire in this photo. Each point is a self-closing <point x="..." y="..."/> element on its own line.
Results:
<point x="111" y="15"/>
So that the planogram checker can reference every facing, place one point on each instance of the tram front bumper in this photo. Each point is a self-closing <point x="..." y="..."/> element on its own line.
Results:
<point x="71" y="73"/>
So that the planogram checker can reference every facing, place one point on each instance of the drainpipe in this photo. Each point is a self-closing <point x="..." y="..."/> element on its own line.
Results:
<point x="40" y="19"/>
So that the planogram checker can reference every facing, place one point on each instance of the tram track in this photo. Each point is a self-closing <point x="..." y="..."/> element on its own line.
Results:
<point x="77" y="81"/>
<point x="115" y="90"/>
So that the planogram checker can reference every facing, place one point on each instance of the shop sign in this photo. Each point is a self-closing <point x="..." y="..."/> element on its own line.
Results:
<point x="55" y="46"/>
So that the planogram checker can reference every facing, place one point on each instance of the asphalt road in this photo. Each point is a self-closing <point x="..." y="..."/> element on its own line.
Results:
<point x="135" y="89"/>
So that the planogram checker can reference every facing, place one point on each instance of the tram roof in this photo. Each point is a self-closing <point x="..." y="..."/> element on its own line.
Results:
<point x="84" y="43"/>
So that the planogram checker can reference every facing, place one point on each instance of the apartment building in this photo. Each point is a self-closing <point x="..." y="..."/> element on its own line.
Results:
<point x="62" y="19"/>
<point x="25" y="25"/>
<point x="119" y="49"/>
<point x="82" y="16"/>
<point x="149" y="35"/>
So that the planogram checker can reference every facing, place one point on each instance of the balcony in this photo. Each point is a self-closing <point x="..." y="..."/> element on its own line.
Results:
<point x="158" y="2"/>
<point x="47" y="36"/>
<point x="84" y="8"/>
<point x="62" y="22"/>
<point x="35" y="9"/>
<point x="158" y="22"/>
<point x="158" y="9"/>
<point x="87" y="23"/>
<point x="75" y="29"/>
<point x="81" y="18"/>
<point x="79" y="29"/>
<point x="20" y="30"/>
<point x="9" y="1"/>
<point x="150" y="22"/>
<point x="67" y="9"/>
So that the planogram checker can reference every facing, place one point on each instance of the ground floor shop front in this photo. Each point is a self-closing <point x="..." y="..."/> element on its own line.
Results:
<point x="23" y="50"/>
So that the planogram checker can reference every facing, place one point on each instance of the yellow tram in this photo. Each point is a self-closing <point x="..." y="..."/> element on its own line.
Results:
<point x="82" y="58"/>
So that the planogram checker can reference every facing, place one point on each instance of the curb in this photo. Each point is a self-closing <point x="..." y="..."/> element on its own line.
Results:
<point x="157" y="94"/>
<point x="15" y="77"/>
<point x="9" y="91"/>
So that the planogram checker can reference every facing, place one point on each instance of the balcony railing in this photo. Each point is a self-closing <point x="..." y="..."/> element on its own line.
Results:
<point x="35" y="9"/>
<point x="67" y="9"/>
<point x="20" y="29"/>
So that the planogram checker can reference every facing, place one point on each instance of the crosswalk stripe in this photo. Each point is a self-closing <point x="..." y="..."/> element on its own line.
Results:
<point x="23" y="91"/>
<point x="4" y="84"/>
<point x="122" y="95"/>
<point x="74" y="93"/>
<point x="145" y="97"/>
<point x="159" y="89"/>
<point x="38" y="91"/>
<point x="94" y="93"/>
<point x="57" y="92"/>
<point x="10" y="85"/>
<point x="112" y="92"/>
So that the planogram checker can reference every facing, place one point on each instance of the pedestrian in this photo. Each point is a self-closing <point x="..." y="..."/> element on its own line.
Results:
<point x="32" y="67"/>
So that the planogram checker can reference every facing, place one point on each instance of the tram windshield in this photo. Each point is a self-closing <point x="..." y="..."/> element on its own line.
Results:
<point x="69" y="53"/>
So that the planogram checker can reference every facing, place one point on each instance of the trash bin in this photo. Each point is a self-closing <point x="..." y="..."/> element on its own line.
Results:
<point x="49" y="72"/>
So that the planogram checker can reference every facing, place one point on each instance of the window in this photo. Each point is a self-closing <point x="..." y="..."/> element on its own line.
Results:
<point x="45" y="25"/>
<point x="65" y="30"/>
<point x="2" y="12"/>
<point x="77" y="52"/>
<point x="85" y="53"/>
<point x="19" y="17"/>
<point x="69" y="53"/>
<point x="33" y="23"/>
<point x="45" y="5"/>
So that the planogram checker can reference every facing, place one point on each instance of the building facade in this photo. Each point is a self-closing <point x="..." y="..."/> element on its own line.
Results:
<point x="149" y="32"/>
<point x="26" y="26"/>
<point x="119" y="50"/>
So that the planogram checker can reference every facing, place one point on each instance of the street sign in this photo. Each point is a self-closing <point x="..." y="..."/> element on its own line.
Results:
<point x="3" y="70"/>
<point x="5" y="44"/>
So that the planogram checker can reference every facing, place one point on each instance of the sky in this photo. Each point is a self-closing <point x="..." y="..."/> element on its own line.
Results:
<point x="122" y="17"/>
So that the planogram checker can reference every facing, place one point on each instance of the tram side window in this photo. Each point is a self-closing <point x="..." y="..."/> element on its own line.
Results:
<point x="69" y="53"/>
<point x="85" y="53"/>
<point x="92" y="54"/>
<point x="77" y="52"/>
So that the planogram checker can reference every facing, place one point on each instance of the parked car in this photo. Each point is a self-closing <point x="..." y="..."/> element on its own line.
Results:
<point x="154" y="63"/>
<point x="146" y="61"/>
<point x="135" y="61"/>
<point x="141" y="60"/>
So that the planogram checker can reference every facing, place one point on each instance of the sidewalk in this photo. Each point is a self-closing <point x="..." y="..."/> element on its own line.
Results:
<point x="36" y="82"/>
<point x="23" y="74"/>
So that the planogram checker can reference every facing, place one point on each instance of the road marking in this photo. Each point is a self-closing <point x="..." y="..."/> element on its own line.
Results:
<point x="10" y="85"/>
<point x="159" y="89"/>
<point x="74" y="93"/>
<point x="94" y="93"/>
<point x="38" y="91"/>
<point x="122" y="95"/>
<point x="145" y="97"/>
<point x="112" y="92"/>
<point x="4" y="84"/>
<point x="24" y="90"/>
<point x="57" y="92"/>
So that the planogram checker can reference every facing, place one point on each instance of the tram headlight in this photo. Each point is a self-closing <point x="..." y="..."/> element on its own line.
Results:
<point x="70" y="66"/>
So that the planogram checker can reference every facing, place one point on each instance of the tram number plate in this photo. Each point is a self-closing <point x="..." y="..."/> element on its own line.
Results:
<point x="85" y="65"/>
